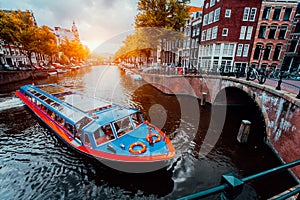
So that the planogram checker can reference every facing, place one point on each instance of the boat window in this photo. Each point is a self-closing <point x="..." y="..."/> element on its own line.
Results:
<point x="69" y="127"/>
<point x="43" y="97"/>
<point x="123" y="126"/>
<point x="103" y="134"/>
<point x="87" y="141"/>
<point x="137" y="119"/>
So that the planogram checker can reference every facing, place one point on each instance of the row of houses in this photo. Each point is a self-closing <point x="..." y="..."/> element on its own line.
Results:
<point x="12" y="55"/>
<point x="231" y="34"/>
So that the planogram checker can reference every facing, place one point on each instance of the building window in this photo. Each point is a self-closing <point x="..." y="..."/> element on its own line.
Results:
<point x="257" y="52"/>
<point x="249" y="32"/>
<point x="267" y="53"/>
<point x="231" y="49"/>
<point x="262" y="31"/>
<point x="276" y="14"/>
<point x="246" y="14"/>
<point x="227" y="13"/>
<point x="203" y="35"/>
<point x="205" y="18"/>
<point x="293" y="46"/>
<point x="252" y="14"/>
<point x="228" y="49"/>
<point x="243" y="32"/>
<point x="287" y="14"/>
<point x="214" y="32"/>
<point x="277" y="52"/>
<point x="266" y="13"/>
<point x="217" y="15"/>
<point x="272" y="32"/>
<point x="212" y="3"/>
<point x="239" y="50"/>
<point x="225" y="32"/>
<point x="246" y="50"/>
<point x="208" y="35"/>
<point x="282" y="32"/>
<point x="210" y="17"/>
<point x="217" y="49"/>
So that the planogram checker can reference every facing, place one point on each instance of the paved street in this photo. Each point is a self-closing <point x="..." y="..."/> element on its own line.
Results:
<point x="292" y="86"/>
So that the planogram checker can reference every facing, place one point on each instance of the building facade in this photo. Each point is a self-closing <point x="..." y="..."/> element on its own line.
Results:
<point x="190" y="44"/>
<point x="291" y="57"/>
<point x="63" y="34"/>
<point x="227" y="34"/>
<point x="273" y="30"/>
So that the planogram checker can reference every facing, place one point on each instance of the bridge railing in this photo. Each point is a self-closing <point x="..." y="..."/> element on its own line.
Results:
<point x="232" y="186"/>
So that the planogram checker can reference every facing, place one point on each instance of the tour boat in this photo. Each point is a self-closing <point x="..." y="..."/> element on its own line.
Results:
<point x="119" y="137"/>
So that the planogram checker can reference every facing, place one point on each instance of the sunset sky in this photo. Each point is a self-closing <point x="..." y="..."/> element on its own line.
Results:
<point x="98" y="21"/>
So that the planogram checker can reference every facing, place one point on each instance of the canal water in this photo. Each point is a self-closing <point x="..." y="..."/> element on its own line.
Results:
<point x="35" y="164"/>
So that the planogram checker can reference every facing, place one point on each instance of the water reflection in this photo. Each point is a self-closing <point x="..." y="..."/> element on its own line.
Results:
<point x="35" y="164"/>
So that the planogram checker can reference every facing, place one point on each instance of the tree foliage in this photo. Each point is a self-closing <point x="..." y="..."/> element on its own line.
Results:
<point x="168" y="14"/>
<point x="156" y="21"/>
<point x="74" y="50"/>
<point x="19" y="28"/>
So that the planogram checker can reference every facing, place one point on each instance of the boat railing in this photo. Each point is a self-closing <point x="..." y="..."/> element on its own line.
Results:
<point x="232" y="186"/>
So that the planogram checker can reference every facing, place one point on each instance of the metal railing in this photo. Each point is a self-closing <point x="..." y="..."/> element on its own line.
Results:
<point x="232" y="186"/>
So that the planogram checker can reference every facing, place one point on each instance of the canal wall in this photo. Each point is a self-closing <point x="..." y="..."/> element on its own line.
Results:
<point x="15" y="76"/>
<point x="281" y="110"/>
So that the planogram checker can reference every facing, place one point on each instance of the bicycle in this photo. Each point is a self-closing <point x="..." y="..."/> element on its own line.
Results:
<point x="254" y="74"/>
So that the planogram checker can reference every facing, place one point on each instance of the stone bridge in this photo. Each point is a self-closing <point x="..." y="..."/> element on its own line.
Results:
<point x="280" y="109"/>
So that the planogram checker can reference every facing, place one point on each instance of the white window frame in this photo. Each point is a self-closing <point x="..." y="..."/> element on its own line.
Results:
<point x="203" y="36"/>
<point x="210" y="17"/>
<point x="227" y="13"/>
<point x="226" y="32"/>
<point x="208" y="34"/>
<point x="246" y="14"/>
<point x="205" y="18"/>
<point x="243" y="32"/>
<point x="217" y="14"/>
<point x="239" y="50"/>
<point x="212" y="3"/>
<point x="214" y="32"/>
<point x="246" y="50"/>
<point x="252" y="14"/>
<point x="217" y="49"/>
<point x="249" y="32"/>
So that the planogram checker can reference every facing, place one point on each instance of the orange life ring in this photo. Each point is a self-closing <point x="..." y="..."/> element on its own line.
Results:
<point x="131" y="150"/>
<point x="151" y="135"/>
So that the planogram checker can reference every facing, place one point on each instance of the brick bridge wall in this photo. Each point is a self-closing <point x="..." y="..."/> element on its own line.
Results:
<point x="280" y="109"/>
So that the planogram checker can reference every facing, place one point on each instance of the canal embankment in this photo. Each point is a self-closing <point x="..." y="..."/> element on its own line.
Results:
<point x="15" y="76"/>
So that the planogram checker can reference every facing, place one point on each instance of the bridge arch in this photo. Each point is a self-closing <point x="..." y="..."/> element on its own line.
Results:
<point x="251" y="104"/>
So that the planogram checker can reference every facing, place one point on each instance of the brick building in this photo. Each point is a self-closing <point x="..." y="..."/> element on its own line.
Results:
<point x="273" y="29"/>
<point x="227" y="35"/>
<point x="291" y="57"/>
<point x="190" y="46"/>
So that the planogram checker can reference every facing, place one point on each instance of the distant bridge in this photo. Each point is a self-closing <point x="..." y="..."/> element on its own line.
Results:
<point x="280" y="109"/>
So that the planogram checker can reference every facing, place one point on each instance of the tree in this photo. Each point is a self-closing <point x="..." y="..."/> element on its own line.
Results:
<point x="47" y="42"/>
<point x="9" y="24"/>
<point x="169" y="14"/>
<point x="74" y="50"/>
<point x="27" y="36"/>
<point x="157" y="21"/>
